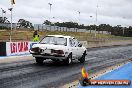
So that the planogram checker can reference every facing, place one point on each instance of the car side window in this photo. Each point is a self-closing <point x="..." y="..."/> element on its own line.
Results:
<point x="72" y="42"/>
<point x="79" y="44"/>
<point x="75" y="42"/>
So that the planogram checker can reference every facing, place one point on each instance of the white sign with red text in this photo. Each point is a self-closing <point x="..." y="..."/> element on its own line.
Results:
<point x="18" y="48"/>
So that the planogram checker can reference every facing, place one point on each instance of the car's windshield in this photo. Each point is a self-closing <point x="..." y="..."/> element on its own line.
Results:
<point x="54" y="40"/>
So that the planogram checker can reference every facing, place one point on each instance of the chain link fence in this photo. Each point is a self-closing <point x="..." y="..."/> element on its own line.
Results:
<point x="42" y="27"/>
<point x="8" y="26"/>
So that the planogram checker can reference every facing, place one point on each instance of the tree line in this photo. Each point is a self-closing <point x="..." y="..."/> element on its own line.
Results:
<point x="22" y="23"/>
<point x="117" y="30"/>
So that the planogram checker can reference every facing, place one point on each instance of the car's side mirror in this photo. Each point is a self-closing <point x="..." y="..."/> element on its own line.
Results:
<point x="80" y="45"/>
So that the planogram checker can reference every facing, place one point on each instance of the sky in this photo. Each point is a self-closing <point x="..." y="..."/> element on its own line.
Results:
<point x="113" y="12"/>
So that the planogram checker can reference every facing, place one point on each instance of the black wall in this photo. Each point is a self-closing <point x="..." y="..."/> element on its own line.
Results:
<point x="2" y="48"/>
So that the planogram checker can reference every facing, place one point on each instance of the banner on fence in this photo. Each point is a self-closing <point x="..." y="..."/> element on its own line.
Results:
<point x="18" y="48"/>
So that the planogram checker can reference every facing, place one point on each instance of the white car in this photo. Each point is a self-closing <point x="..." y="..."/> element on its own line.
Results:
<point x="58" y="48"/>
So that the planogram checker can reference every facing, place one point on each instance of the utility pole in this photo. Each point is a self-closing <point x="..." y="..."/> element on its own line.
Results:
<point x="96" y="20"/>
<point x="123" y="31"/>
<point x="50" y="14"/>
<point x="123" y="28"/>
<point x="54" y="23"/>
<point x="90" y="26"/>
<point x="79" y="18"/>
<point x="10" y="9"/>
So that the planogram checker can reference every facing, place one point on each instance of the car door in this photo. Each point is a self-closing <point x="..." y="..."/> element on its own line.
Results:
<point x="80" y="49"/>
<point x="76" y="47"/>
<point x="73" y="48"/>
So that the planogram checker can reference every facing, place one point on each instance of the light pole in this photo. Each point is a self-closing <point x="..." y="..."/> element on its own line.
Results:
<point x="123" y="31"/>
<point x="54" y="23"/>
<point x="10" y="9"/>
<point x="90" y="27"/>
<point x="50" y="14"/>
<point x="96" y="20"/>
<point x="123" y="27"/>
<point x="79" y="13"/>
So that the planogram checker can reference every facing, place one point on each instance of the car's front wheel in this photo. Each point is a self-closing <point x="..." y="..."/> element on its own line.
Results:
<point x="68" y="60"/>
<point x="39" y="60"/>
<point x="82" y="59"/>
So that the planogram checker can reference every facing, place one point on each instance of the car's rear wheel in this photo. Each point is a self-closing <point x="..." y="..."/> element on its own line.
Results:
<point x="82" y="59"/>
<point x="39" y="60"/>
<point x="68" y="60"/>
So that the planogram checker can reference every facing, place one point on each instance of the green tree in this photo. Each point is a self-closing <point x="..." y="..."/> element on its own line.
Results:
<point x="4" y="20"/>
<point x="47" y="22"/>
<point x="24" y="24"/>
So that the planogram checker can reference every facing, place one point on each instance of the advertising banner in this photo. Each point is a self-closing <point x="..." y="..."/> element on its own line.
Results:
<point x="18" y="48"/>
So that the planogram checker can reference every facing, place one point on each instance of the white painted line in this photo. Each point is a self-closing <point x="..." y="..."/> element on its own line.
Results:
<point x="7" y="57"/>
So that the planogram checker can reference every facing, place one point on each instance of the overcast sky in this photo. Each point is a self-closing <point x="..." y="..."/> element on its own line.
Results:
<point x="113" y="12"/>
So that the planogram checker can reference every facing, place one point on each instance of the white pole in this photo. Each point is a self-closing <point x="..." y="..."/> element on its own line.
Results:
<point x="50" y="14"/>
<point x="79" y="18"/>
<point x="54" y="23"/>
<point x="11" y="23"/>
<point x="123" y="31"/>
<point x="90" y="27"/>
<point x="123" y="28"/>
<point x="96" y="20"/>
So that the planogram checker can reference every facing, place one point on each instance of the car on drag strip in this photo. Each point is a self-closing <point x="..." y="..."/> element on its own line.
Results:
<point x="58" y="48"/>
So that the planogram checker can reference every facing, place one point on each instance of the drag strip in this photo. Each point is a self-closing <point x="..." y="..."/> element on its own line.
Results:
<point x="27" y="74"/>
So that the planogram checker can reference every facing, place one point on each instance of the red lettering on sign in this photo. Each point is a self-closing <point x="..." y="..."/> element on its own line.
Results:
<point x="25" y="46"/>
<point x="19" y="44"/>
<point x="13" y="47"/>
<point x="22" y="46"/>
<point x="19" y="47"/>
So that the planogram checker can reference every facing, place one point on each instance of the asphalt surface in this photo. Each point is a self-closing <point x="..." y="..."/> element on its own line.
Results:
<point x="27" y="74"/>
